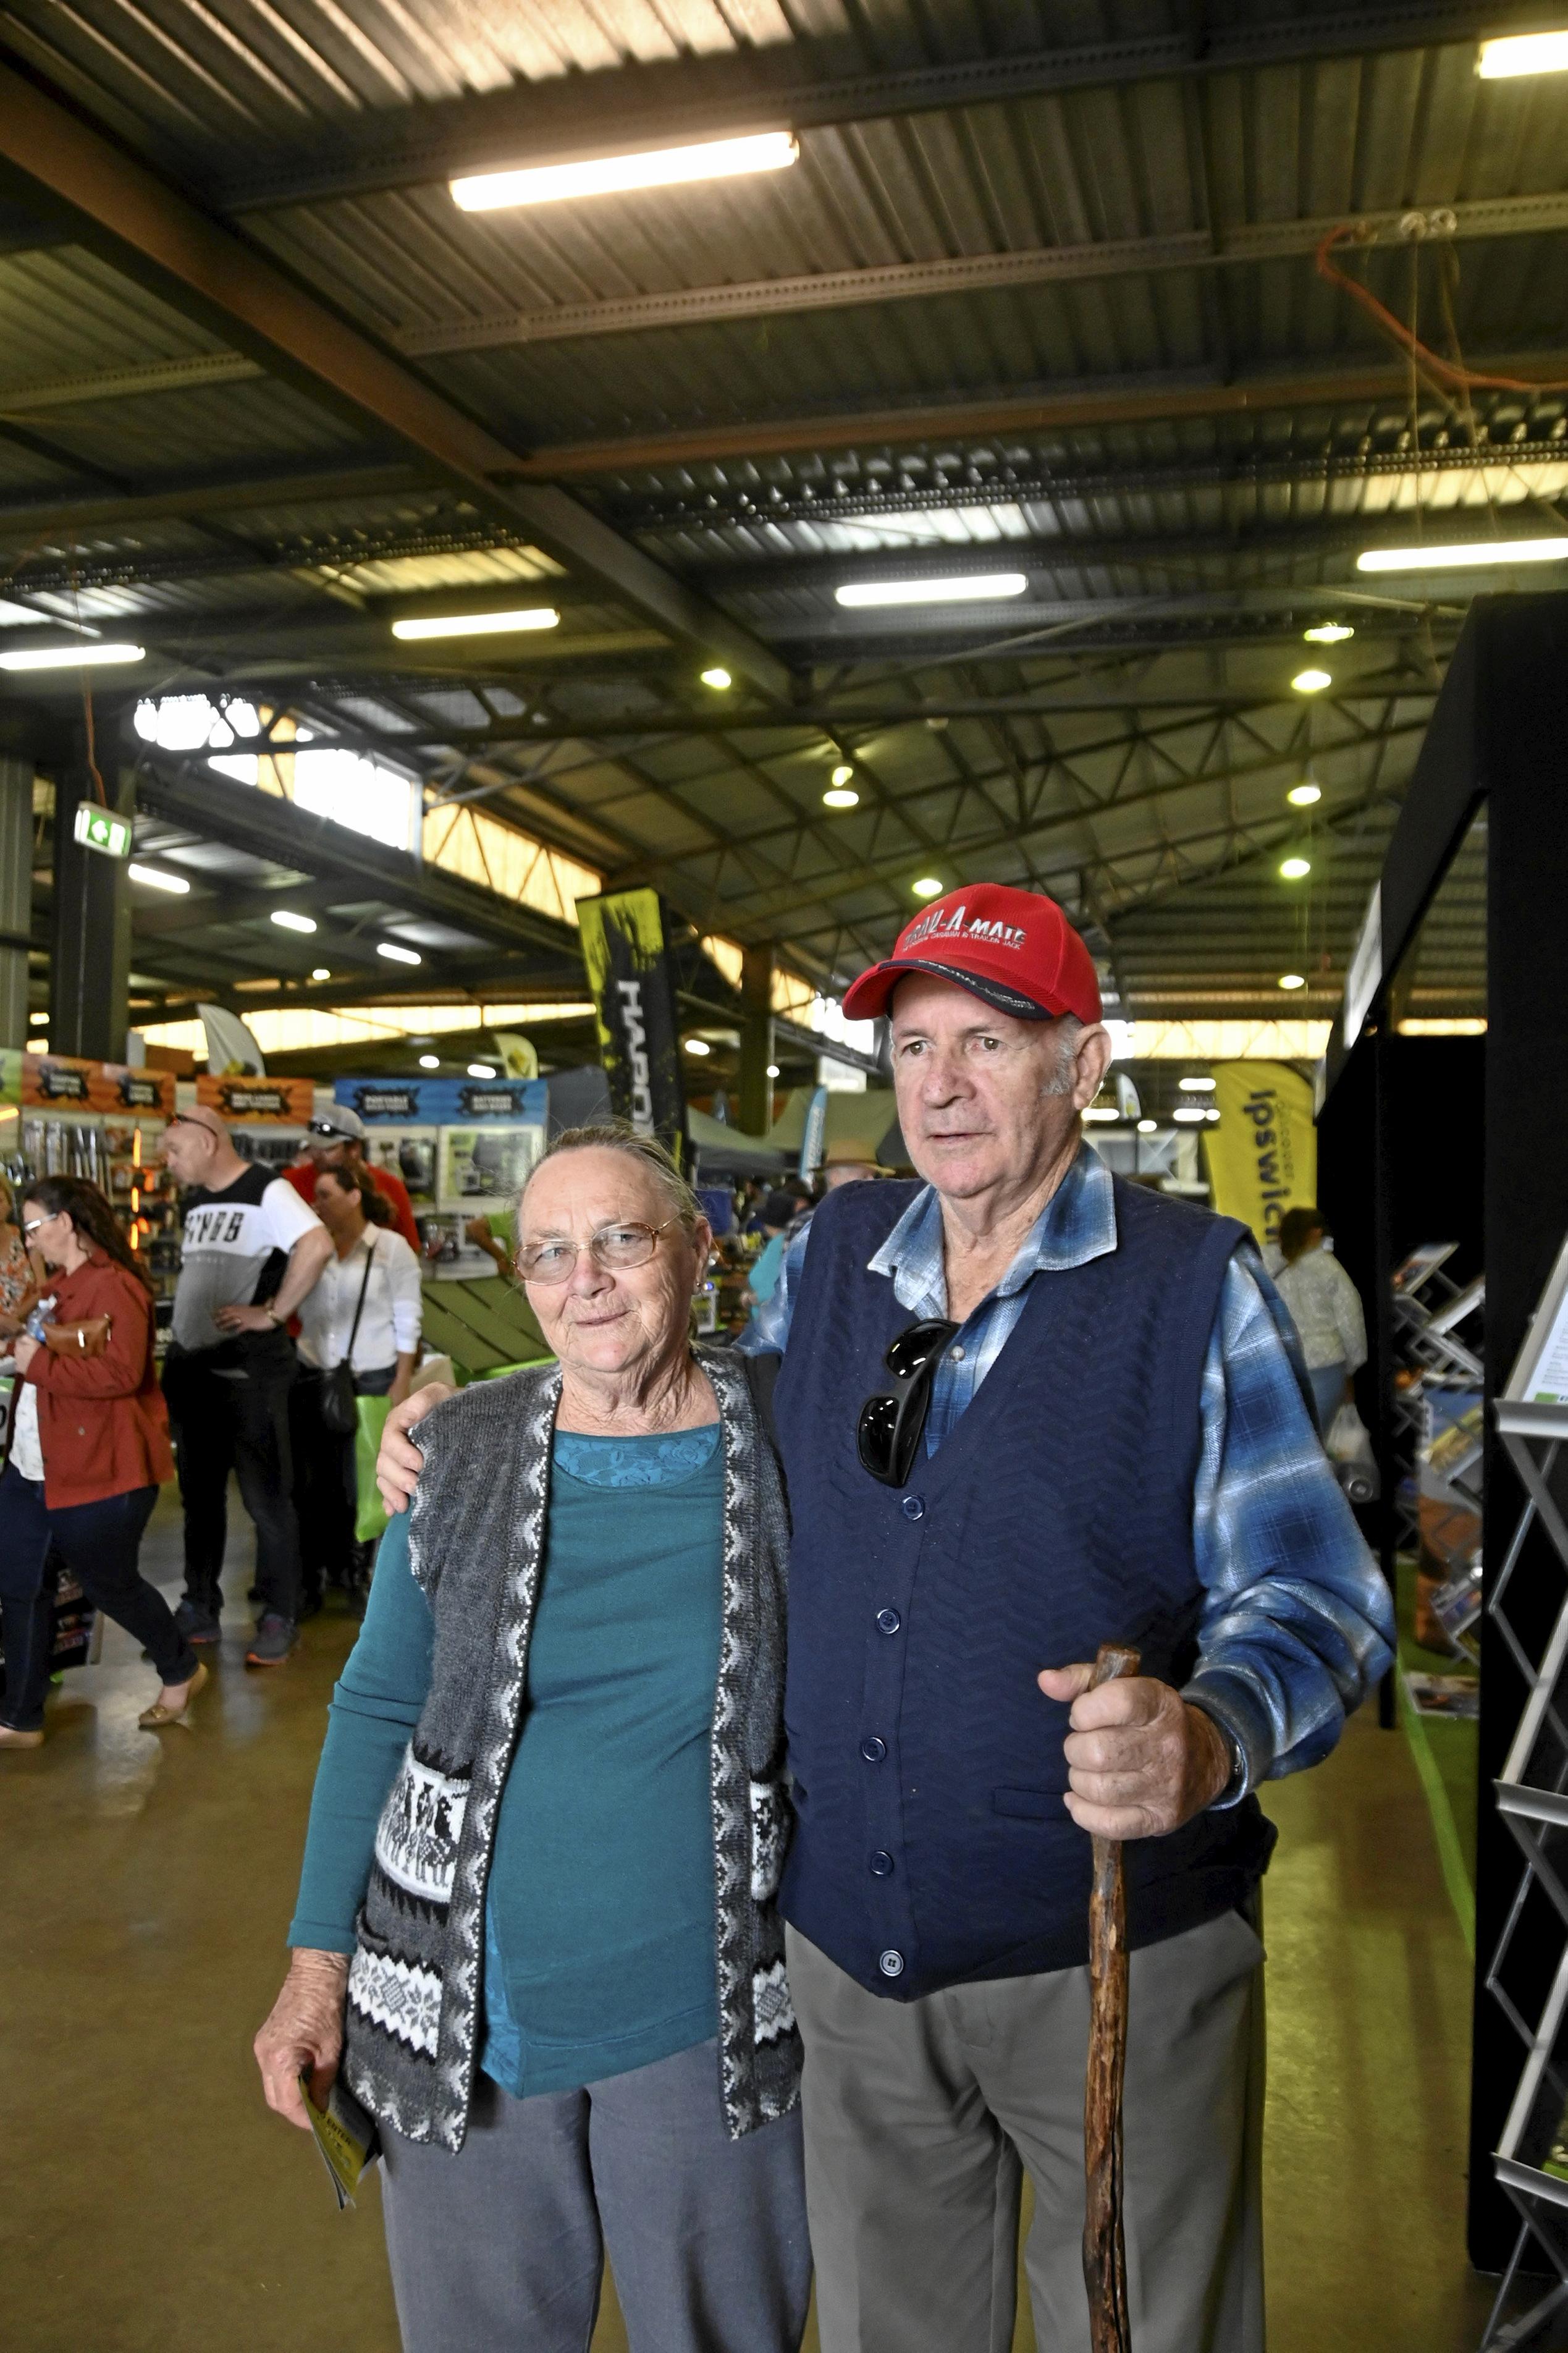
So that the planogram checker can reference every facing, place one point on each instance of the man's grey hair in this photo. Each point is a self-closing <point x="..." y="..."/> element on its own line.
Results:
<point x="1070" y="1029"/>
<point x="647" y="1150"/>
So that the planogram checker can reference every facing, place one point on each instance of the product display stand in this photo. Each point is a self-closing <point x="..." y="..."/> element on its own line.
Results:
<point x="1527" y="1974"/>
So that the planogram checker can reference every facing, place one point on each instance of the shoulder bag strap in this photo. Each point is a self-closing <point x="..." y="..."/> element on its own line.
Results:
<point x="359" y="1311"/>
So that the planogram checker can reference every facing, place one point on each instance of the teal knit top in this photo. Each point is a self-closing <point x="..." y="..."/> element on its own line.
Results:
<point x="600" y="1914"/>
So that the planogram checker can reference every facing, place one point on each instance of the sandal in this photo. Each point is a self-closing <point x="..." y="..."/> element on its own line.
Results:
<point x="154" y="1718"/>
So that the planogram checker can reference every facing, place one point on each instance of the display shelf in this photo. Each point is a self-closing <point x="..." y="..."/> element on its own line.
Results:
<point x="1530" y="2161"/>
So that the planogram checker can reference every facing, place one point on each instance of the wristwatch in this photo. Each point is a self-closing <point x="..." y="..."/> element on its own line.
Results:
<point x="273" y="1318"/>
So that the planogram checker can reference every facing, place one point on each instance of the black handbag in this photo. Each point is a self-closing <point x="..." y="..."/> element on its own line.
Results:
<point x="340" y="1398"/>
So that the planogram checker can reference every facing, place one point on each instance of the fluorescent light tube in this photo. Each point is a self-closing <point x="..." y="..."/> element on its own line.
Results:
<point x="982" y="588"/>
<point x="156" y="880"/>
<point x="393" y="954"/>
<point x="478" y="624"/>
<point x="1462" y="558"/>
<point x="481" y="1071"/>
<point x="1522" y="53"/>
<point x="285" y="920"/>
<point x="603" y="175"/>
<point x="93" y="650"/>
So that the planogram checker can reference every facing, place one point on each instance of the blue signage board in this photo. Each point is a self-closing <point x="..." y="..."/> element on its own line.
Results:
<point x="444" y="1102"/>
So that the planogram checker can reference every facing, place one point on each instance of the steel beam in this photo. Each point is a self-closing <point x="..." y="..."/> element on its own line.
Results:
<point x="800" y="85"/>
<point x="856" y="720"/>
<point x="905" y="282"/>
<point x="216" y="809"/>
<point x="207" y="494"/>
<point x="148" y="230"/>
<point x="1148" y="399"/>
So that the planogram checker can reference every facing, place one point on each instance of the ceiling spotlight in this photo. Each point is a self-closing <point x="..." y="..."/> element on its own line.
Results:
<point x="1196" y="1086"/>
<point x="1311" y="681"/>
<point x="288" y="921"/>
<point x="1305" y="795"/>
<point x="928" y="887"/>
<point x="1146" y="1127"/>
<point x="773" y="1070"/>
<point x="393" y="954"/>
<point x="481" y="1071"/>
<point x="697" y="1046"/>
<point x="1327" y="633"/>
<point x="718" y="678"/>
<point x="1102" y="1111"/>
<point x="90" y="649"/>
<point x="600" y="176"/>
<point x="1188" y="1113"/>
<point x="1293" y="980"/>
<point x="1522" y="53"/>
<point x="981" y="588"/>
<point x="842" y="775"/>
<point x="841" y="796"/>
<point x="478" y="625"/>
<point x="1292" y="869"/>
<point x="319" y="972"/>
<point x="156" y="880"/>
<point x="1463" y="556"/>
<point x="430" y="1061"/>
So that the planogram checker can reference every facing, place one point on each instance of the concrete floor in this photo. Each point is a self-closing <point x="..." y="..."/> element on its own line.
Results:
<point x="150" y="2204"/>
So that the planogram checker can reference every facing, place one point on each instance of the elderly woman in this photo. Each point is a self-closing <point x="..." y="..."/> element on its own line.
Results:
<point x="536" y="1919"/>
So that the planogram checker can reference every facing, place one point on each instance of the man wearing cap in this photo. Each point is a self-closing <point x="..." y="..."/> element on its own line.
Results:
<point x="334" y="1138"/>
<point x="251" y="1252"/>
<point x="1025" y="1408"/>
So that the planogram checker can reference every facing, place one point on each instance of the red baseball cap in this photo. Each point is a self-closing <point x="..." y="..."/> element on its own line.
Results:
<point x="1014" y="948"/>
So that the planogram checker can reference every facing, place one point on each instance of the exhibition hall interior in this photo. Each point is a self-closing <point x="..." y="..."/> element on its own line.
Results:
<point x="710" y="710"/>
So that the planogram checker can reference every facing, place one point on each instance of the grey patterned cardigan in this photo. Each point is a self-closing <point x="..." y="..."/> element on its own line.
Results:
<point x="413" y="2012"/>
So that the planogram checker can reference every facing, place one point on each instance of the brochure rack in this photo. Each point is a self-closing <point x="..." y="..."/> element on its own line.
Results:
<point x="1528" y="1972"/>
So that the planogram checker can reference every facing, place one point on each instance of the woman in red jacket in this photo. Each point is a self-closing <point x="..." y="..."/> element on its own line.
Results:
<point x="90" y="1447"/>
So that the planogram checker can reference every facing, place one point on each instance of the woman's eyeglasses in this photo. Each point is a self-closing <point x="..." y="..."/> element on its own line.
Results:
<point x="892" y="1424"/>
<point x="614" y="1248"/>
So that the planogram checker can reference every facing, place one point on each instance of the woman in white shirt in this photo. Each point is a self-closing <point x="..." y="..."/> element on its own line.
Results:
<point x="1326" y="1309"/>
<point x="364" y="1308"/>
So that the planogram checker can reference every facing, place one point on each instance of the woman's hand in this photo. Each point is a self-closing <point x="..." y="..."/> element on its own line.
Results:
<point x="399" y="1463"/>
<point x="304" y="2034"/>
<point x="25" y="1350"/>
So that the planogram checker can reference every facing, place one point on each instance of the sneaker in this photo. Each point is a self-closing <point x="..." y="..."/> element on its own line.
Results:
<point x="275" y="1638"/>
<point x="197" y="1624"/>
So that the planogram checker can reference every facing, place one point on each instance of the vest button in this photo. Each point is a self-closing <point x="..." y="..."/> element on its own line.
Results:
<point x="914" y="1507"/>
<point x="881" y="1864"/>
<point x="873" y="1750"/>
<point x="889" y="1620"/>
<point x="890" y="1963"/>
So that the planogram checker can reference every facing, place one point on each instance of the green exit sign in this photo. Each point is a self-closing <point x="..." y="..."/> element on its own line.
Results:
<point x="100" y="828"/>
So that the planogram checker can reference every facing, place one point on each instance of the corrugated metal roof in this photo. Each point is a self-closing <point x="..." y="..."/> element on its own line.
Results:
<point x="1184" y="551"/>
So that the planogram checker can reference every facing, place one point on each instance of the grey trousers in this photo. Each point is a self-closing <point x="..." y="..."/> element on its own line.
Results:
<point x="922" y="2117"/>
<point x="501" y="2248"/>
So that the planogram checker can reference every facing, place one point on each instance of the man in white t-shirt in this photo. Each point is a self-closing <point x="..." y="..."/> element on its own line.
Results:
<point x="252" y="1250"/>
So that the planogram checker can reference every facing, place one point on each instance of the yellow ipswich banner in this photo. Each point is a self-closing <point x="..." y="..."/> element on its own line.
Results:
<point x="1263" y="1155"/>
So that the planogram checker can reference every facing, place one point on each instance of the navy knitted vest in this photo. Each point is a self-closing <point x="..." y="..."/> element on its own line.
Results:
<point x="931" y="1843"/>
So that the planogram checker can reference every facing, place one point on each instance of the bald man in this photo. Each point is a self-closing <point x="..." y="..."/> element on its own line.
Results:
<point x="252" y="1250"/>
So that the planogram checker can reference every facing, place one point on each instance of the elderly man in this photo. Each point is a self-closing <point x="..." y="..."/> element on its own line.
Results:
<point x="1025" y="1408"/>
<point x="334" y="1138"/>
<point x="251" y="1252"/>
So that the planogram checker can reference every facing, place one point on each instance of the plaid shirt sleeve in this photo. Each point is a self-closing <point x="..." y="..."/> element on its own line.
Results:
<point x="1298" y="1625"/>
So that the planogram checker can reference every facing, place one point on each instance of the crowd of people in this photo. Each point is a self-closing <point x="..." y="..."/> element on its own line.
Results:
<point x="699" y="1860"/>
<point x="298" y="1293"/>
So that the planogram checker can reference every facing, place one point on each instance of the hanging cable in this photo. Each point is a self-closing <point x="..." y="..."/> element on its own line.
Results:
<point x="1451" y="373"/>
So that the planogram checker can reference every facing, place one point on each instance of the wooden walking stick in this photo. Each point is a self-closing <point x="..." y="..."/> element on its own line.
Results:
<point x="1104" y="2252"/>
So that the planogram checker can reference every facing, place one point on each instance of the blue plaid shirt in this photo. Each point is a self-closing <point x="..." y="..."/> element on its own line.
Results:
<point x="1298" y="1625"/>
